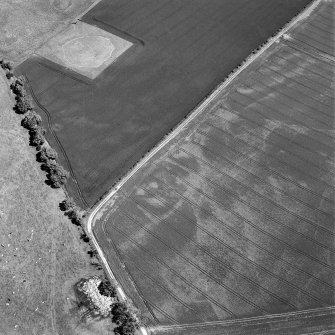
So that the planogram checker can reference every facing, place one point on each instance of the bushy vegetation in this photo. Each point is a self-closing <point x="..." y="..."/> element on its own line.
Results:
<point x="37" y="138"/>
<point x="85" y="237"/>
<point x="23" y="104"/>
<point x="6" y="66"/>
<point x="31" y="121"/>
<point x="66" y="204"/>
<point x="17" y="87"/>
<point x="102" y="297"/>
<point x="106" y="288"/>
<point x="57" y="175"/>
<point x="71" y="211"/>
<point x="125" y="321"/>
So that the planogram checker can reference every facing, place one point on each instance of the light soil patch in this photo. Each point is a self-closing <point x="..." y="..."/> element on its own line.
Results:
<point x="85" y="49"/>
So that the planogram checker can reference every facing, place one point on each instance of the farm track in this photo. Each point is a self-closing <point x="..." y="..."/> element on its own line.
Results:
<point x="254" y="325"/>
<point x="234" y="218"/>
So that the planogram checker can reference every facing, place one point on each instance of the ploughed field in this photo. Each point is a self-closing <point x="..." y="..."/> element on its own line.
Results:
<point x="235" y="217"/>
<point x="182" y="50"/>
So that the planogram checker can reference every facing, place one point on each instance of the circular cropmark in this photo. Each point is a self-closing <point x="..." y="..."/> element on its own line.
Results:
<point x="88" y="51"/>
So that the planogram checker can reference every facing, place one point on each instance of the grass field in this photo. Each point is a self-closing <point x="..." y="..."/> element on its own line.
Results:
<point x="41" y="255"/>
<point x="235" y="217"/>
<point x="184" y="49"/>
<point x="26" y="25"/>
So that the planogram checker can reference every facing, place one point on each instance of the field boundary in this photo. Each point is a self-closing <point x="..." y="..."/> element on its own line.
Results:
<point x="306" y="312"/>
<point x="47" y="114"/>
<point x="180" y="127"/>
<point x="79" y="16"/>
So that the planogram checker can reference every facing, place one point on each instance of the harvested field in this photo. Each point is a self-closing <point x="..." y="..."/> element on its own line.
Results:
<point x="235" y="217"/>
<point x="183" y="50"/>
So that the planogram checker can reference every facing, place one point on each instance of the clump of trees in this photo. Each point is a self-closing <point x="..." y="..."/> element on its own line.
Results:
<point x="56" y="174"/>
<point x="31" y="121"/>
<point x="66" y="204"/>
<point x="84" y="237"/>
<point x="105" y="288"/>
<point x="8" y="68"/>
<point x="23" y="104"/>
<point x="71" y="211"/>
<point x="126" y="323"/>
<point x="17" y="87"/>
<point x="92" y="253"/>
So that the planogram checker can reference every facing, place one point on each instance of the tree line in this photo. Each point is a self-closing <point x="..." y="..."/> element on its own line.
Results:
<point x="56" y="174"/>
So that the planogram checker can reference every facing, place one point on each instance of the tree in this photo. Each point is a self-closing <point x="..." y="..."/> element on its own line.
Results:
<point x="31" y="120"/>
<point x="37" y="136"/>
<point x="66" y="204"/>
<point x="17" y="87"/>
<point x="93" y="253"/>
<point x="74" y="216"/>
<point x="23" y="104"/>
<point x="47" y="154"/>
<point x="57" y="175"/>
<point x="105" y="287"/>
<point x="9" y="74"/>
<point x="125" y="329"/>
<point x="6" y="65"/>
<point x="126" y="323"/>
<point x="84" y="237"/>
<point x="120" y="313"/>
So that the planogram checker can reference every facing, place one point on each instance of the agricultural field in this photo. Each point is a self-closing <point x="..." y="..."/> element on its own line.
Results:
<point x="41" y="255"/>
<point x="182" y="49"/>
<point x="234" y="218"/>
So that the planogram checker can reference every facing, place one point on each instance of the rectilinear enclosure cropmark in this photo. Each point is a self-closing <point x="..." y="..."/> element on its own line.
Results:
<point x="85" y="49"/>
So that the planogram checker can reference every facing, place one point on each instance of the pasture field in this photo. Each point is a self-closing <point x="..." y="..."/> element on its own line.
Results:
<point x="26" y="25"/>
<point x="234" y="218"/>
<point x="184" y="49"/>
